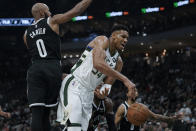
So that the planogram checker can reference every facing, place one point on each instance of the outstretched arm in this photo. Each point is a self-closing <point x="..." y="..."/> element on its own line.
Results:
<point x="163" y="118"/>
<point x="5" y="114"/>
<point x="75" y="11"/>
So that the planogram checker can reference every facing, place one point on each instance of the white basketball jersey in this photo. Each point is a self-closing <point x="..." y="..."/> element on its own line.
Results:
<point x="86" y="74"/>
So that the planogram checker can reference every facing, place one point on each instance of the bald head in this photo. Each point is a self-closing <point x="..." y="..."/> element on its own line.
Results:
<point x="40" y="10"/>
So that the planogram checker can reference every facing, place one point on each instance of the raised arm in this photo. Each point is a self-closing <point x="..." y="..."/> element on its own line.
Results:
<point x="75" y="11"/>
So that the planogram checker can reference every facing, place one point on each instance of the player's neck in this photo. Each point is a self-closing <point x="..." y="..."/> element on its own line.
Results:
<point x="38" y="18"/>
<point x="111" y="47"/>
<point x="130" y="101"/>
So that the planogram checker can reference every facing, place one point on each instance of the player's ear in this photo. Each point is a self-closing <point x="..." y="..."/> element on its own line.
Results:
<point x="42" y="13"/>
<point x="114" y="37"/>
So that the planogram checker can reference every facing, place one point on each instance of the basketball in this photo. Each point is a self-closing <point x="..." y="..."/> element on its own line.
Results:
<point x="137" y="114"/>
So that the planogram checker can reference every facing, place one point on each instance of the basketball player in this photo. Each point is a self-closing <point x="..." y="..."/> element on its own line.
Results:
<point x="102" y="107"/>
<point x="4" y="114"/>
<point x="100" y="59"/>
<point x="122" y="122"/>
<point x="44" y="75"/>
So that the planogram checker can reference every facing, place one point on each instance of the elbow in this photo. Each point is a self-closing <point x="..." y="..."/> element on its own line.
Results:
<point x="97" y="65"/>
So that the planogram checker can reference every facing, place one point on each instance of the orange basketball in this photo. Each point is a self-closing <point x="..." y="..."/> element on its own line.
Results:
<point x="137" y="114"/>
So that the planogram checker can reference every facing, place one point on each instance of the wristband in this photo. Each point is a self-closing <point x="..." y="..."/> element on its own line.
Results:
<point x="108" y="86"/>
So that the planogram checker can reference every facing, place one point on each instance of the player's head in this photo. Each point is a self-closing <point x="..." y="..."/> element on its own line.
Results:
<point x="40" y="10"/>
<point x="119" y="36"/>
<point x="131" y="93"/>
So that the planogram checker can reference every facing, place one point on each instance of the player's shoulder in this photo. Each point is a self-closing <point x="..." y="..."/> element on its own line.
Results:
<point x="145" y="106"/>
<point x="102" y="37"/>
<point x="100" y="41"/>
<point x="121" y="109"/>
<point x="122" y="106"/>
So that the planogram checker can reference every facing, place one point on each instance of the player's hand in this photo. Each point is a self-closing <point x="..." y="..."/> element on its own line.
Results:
<point x="103" y="94"/>
<point x="177" y="117"/>
<point x="64" y="75"/>
<point x="131" y="86"/>
<point x="7" y="115"/>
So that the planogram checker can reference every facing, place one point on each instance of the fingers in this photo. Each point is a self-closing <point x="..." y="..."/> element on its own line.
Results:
<point x="7" y="115"/>
<point x="179" y="116"/>
<point x="98" y="94"/>
<point x="106" y="92"/>
<point x="133" y="85"/>
<point x="102" y="94"/>
<point x="133" y="92"/>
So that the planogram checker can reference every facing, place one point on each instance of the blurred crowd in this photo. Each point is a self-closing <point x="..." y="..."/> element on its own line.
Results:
<point x="166" y="84"/>
<point x="139" y="25"/>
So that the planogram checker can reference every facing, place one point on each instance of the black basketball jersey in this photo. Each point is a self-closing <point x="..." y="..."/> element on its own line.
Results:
<point x="42" y="41"/>
<point x="98" y="112"/>
<point x="125" y="125"/>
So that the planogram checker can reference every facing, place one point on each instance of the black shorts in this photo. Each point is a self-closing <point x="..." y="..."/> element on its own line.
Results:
<point x="43" y="83"/>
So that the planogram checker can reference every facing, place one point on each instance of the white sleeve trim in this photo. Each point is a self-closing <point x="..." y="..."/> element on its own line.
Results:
<point x="43" y="104"/>
<point x="125" y="110"/>
<point x="48" y="21"/>
<point x="106" y="86"/>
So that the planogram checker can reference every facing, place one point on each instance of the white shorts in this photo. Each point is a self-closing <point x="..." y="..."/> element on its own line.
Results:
<point x="74" y="98"/>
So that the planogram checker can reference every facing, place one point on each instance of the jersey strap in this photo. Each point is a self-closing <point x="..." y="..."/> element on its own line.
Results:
<point x="88" y="48"/>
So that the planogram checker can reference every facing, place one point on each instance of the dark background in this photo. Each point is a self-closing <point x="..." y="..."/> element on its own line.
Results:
<point x="166" y="80"/>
